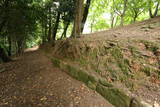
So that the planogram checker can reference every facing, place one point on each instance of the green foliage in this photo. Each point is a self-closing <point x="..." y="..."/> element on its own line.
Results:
<point x="107" y="13"/>
<point x="24" y="24"/>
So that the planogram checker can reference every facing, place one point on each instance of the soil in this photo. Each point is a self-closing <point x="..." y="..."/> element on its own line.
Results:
<point x="32" y="81"/>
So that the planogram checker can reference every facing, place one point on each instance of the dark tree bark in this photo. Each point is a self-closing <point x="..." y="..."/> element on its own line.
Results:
<point x="10" y="46"/>
<point x="65" y="30"/>
<point x="3" y="23"/>
<point x="45" y="30"/>
<point x="112" y="20"/>
<point x="50" y="25"/>
<point x="152" y="15"/>
<point x="85" y="14"/>
<point x="19" y="47"/>
<point x="78" y="18"/>
<point x="124" y="11"/>
<point x="135" y="16"/>
<point x="156" y="10"/>
<point x="4" y="56"/>
<point x="56" y="25"/>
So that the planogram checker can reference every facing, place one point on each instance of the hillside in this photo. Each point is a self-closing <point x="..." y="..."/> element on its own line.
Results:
<point x="121" y="64"/>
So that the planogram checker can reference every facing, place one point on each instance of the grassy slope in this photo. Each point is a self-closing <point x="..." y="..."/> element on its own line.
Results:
<point x="128" y="56"/>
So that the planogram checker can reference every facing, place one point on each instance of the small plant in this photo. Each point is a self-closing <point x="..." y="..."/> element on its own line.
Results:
<point x="151" y="46"/>
<point x="146" y="70"/>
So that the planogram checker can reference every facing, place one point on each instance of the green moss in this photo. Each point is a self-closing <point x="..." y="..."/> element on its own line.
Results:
<point x="122" y="63"/>
<point x="56" y="62"/>
<point x="132" y="49"/>
<point x="116" y="52"/>
<point x="146" y="70"/>
<point x="124" y="67"/>
<point x="98" y="71"/>
<point x="91" y="85"/>
<point x="105" y="83"/>
<point x="130" y="85"/>
<point x="114" y="96"/>
<point x="72" y="71"/>
<point x="94" y="53"/>
<point x="82" y="76"/>
<point x="151" y="45"/>
<point x="83" y="61"/>
<point x="93" y="79"/>
<point x="114" y="73"/>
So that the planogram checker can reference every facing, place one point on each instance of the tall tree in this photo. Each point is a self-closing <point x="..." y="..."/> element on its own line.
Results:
<point x="121" y="9"/>
<point x="50" y="25"/>
<point x="85" y="13"/>
<point x="56" y="25"/>
<point x="151" y="7"/>
<point x="136" y="8"/>
<point x="78" y="18"/>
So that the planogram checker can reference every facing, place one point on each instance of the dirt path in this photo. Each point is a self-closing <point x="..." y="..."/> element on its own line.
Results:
<point x="31" y="81"/>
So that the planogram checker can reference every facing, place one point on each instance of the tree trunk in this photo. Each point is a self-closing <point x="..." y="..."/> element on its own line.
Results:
<point x="65" y="30"/>
<point x="150" y="13"/>
<point x="78" y="18"/>
<point x="91" y="27"/>
<point x="112" y="20"/>
<point x="20" y="46"/>
<point x="56" y="25"/>
<point x="2" y="25"/>
<point x="122" y="20"/>
<point x="135" y="16"/>
<point x="45" y="30"/>
<point x="124" y="11"/>
<point x="10" y="46"/>
<point x="156" y="10"/>
<point x="50" y="25"/>
<point x="3" y="55"/>
<point x="85" y="14"/>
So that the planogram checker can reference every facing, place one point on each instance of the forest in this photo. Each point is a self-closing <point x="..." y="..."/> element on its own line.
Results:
<point x="79" y="53"/>
<point x="26" y="23"/>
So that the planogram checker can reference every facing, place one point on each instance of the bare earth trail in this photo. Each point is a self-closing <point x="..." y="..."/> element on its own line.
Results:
<point x="32" y="81"/>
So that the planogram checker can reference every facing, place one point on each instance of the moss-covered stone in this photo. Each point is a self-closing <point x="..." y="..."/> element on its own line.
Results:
<point x="72" y="71"/>
<point x="107" y="90"/>
<point x="92" y="85"/>
<point x="114" y="96"/>
<point x="83" y="76"/>
<point x="93" y="79"/>
<point x="105" y="83"/>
